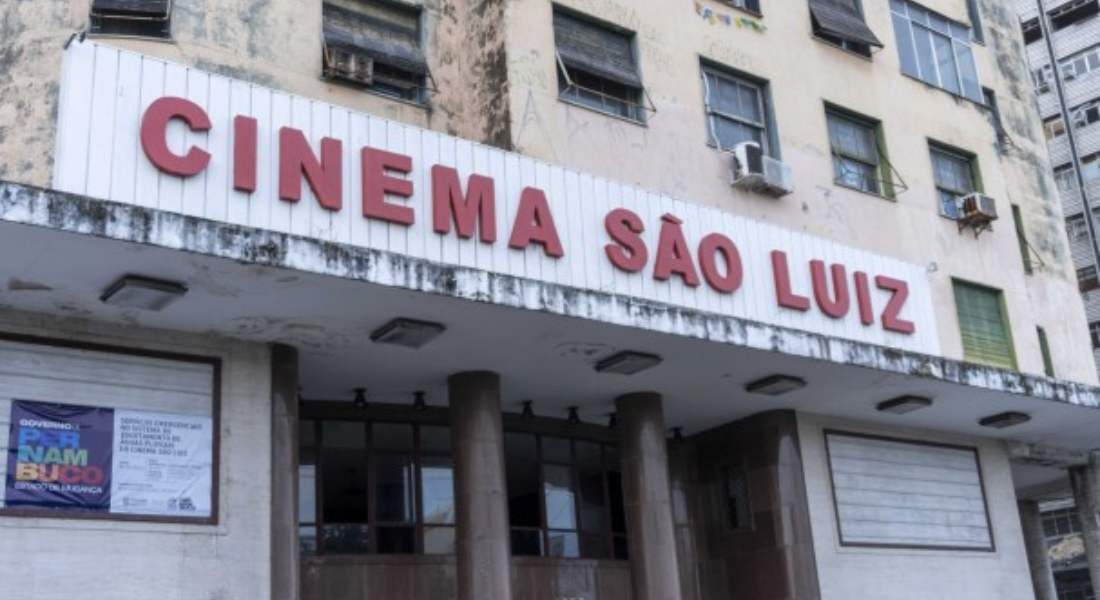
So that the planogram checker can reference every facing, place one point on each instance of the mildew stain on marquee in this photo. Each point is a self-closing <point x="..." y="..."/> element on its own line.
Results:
<point x="80" y="214"/>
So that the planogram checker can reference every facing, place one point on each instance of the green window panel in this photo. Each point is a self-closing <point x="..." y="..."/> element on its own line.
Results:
<point x="983" y="325"/>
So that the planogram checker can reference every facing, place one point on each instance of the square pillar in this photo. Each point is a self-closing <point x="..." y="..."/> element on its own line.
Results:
<point x="648" y="498"/>
<point x="482" y="542"/>
<point x="1085" y="481"/>
<point x="284" y="473"/>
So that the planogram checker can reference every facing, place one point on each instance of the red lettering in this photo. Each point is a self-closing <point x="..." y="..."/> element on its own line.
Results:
<point x="535" y="223"/>
<point x="479" y="203"/>
<point x="244" y="154"/>
<point x="891" y="314"/>
<point x="833" y="307"/>
<point x="325" y="178"/>
<point x="709" y="247"/>
<point x="154" y="136"/>
<point x="782" y="275"/>
<point x="673" y="255"/>
<point x="70" y="474"/>
<point x="376" y="184"/>
<point x="629" y="252"/>
<point x="863" y="299"/>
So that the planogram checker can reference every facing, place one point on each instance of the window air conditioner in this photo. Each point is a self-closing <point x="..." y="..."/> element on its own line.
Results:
<point x="757" y="172"/>
<point x="350" y="66"/>
<point x="977" y="209"/>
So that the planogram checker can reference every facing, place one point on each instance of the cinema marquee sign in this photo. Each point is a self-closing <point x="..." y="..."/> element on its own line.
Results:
<point x="138" y="130"/>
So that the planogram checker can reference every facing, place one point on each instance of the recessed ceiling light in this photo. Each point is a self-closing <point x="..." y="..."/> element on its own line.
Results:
<point x="904" y="404"/>
<point x="775" y="385"/>
<point x="628" y="362"/>
<point x="1005" y="419"/>
<point x="410" y="333"/>
<point x="135" y="291"/>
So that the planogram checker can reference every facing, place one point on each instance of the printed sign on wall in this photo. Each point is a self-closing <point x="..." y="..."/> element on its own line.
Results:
<point x="99" y="459"/>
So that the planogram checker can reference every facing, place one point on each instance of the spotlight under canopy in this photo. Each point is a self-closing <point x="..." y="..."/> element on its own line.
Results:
<point x="144" y="293"/>
<point x="628" y="362"/>
<point x="410" y="333"/>
<point x="903" y="404"/>
<point x="775" y="385"/>
<point x="1005" y="419"/>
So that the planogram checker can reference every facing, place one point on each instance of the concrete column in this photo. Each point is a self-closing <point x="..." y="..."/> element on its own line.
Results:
<point x="647" y="497"/>
<point x="1085" y="481"/>
<point x="284" y="473"/>
<point x="1035" y="542"/>
<point x="481" y="498"/>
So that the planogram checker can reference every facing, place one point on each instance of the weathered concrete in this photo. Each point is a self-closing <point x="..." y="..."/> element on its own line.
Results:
<point x="1085" y="481"/>
<point x="481" y="495"/>
<point x="284" y="473"/>
<point x="647" y="497"/>
<point x="80" y="214"/>
<point x="1042" y="577"/>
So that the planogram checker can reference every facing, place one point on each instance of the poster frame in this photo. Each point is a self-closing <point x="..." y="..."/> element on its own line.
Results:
<point x="215" y="396"/>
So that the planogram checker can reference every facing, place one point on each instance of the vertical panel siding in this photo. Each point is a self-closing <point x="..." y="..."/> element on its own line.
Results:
<point x="106" y="90"/>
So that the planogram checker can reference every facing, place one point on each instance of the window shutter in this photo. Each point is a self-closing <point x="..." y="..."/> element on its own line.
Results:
<point x="843" y="19"/>
<point x="984" y="328"/>
<point x="146" y="9"/>
<point x="390" y="36"/>
<point x="595" y="49"/>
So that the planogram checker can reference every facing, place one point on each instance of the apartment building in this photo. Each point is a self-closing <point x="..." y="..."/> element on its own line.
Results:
<point x="1074" y="31"/>
<point x="524" y="299"/>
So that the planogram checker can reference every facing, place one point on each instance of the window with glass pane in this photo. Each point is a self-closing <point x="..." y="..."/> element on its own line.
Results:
<point x="1065" y="178"/>
<point x="954" y="174"/>
<point x="560" y="497"/>
<point x="935" y="49"/>
<point x="857" y="161"/>
<point x="1094" y="334"/>
<point x="736" y="110"/>
<point x="983" y="325"/>
<point x="597" y="67"/>
<point x="376" y="488"/>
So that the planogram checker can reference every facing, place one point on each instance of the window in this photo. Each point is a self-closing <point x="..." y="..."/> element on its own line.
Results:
<point x="986" y="337"/>
<point x="1086" y="114"/>
<point x="1061" y="522"/>
<point x="1094" y="334"/>
<point x="1076" y="228"/>
<point x="1080" y="64"/>
<point x="1044" y="350"/>
<point x="1087" y="279"/>
<point x="841" y="23"/>
<point x="935" y="50"/>
<point x="375" y="44"/>
<point x="564" y="497"/>
<point x="752" y="6"/>
<point x="1072" y="13"/>
<point x="1021" y="238"/>
<point x="142" y="18"/>
<point x="1065" y="178"/>
<point x="1032" y="31"/>
<point x="858" y="159"/>
<point x="954" y="173"/>
<point x="379" y="488"/>
<point x="1054" y="127"/>
<point x="1090" y="166"/>
<point x="1041" y="79"/>
<point x="597" y="68"/>
<point x="737" y="110"/>
<point x="994" y="110"/>
<point x="881" y="484"/>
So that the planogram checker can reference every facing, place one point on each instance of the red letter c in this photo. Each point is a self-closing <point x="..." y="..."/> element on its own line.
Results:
<point x="154" y="130"/>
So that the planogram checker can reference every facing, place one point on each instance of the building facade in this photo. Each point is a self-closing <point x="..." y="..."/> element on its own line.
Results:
<point x="1074" y="32"/>
<point x="492" y="300"/>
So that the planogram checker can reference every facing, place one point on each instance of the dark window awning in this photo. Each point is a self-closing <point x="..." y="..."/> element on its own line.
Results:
<point x="131" y="8"/>
<point x="384" y="41"/>
<point x="842" y="18"/>
<point x="596" y="50"/>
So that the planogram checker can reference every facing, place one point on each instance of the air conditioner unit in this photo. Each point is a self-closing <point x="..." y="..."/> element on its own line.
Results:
<point x="350" y="66"/>
<point x="977" y="211"/>
<point x="757" y="172"/>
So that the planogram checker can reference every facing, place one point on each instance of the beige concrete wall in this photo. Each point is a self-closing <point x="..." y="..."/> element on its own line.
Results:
<point x="497" y="84"/>
<point x="670" y="153"/>
<point x="848" y="572"/>
<point x="59" y="559"/>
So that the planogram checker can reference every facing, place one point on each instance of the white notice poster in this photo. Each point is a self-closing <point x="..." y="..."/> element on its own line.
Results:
<point x="162" y="464"/>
